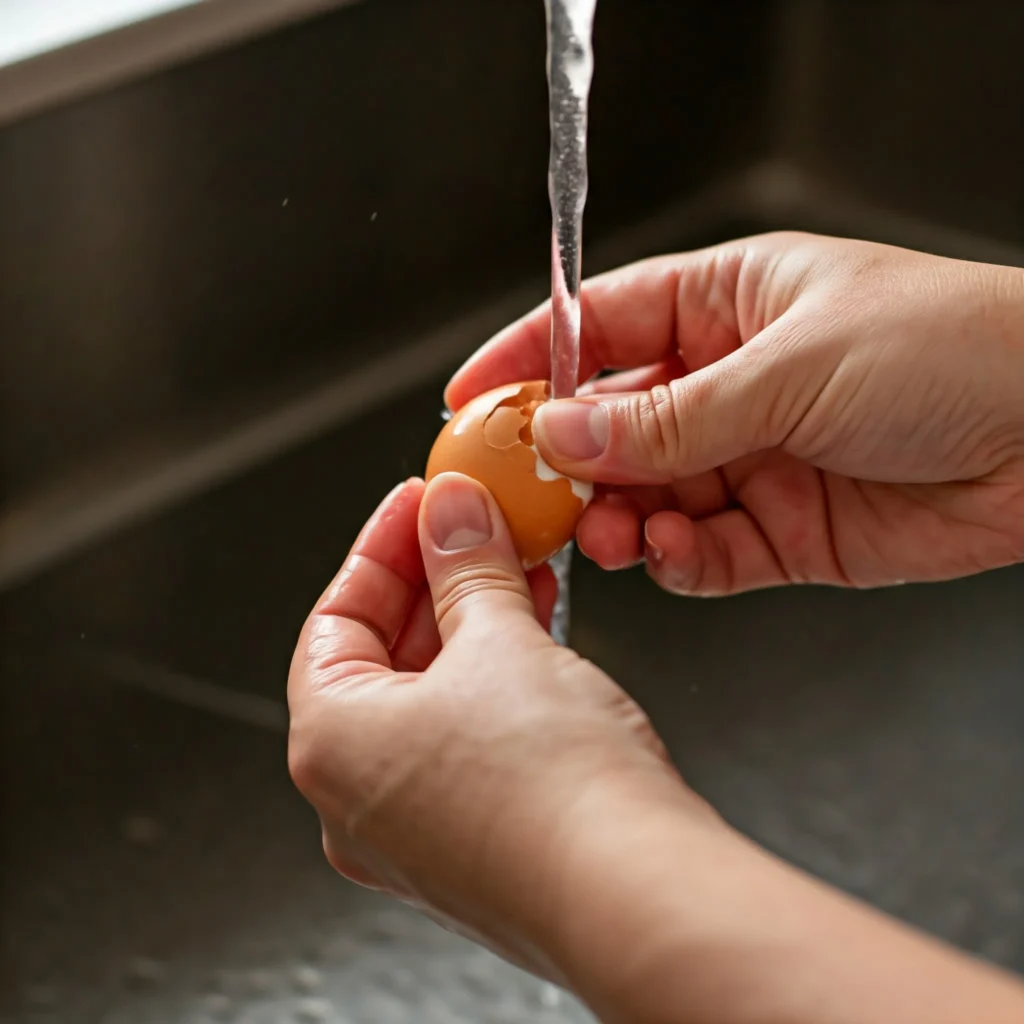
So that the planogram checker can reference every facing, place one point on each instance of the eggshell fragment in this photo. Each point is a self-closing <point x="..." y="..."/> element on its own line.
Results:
<point x="490" y="439"/>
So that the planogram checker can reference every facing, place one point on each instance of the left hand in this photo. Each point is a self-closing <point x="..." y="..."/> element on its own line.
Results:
<point x="457" y="757"/>
<point x="513" y="792"/>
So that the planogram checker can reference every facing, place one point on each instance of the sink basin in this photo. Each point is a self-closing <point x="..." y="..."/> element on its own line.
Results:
<point x="873" y="738"/>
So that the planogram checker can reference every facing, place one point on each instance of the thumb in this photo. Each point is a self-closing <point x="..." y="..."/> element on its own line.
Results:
<point x="471" y="563"/>
<point x="748" y="401"/>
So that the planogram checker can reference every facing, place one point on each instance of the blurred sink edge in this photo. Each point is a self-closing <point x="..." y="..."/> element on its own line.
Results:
<point x="45" y="63"/>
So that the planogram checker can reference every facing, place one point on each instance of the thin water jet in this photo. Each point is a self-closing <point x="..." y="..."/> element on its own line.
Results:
<point x="570" y="65"/>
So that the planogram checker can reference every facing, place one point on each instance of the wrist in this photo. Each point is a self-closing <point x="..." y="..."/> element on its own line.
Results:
<point x="619" y="928"/>
<point x="670" y="916"/>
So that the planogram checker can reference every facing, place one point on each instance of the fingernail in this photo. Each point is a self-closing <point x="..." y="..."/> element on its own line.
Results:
<point x="457" y="515"/>
<point x="574" y="431"/>
<point x="653" y="552"/>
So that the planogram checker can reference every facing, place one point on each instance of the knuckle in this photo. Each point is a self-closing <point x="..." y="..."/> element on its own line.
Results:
<point x="772" y="246"/>
<point x="465" y="584"/>
<point x="656" y="424"/>
<point x="786" y="238"/>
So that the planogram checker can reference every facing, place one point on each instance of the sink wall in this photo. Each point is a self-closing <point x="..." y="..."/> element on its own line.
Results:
<point x="916" y="106"/>
<point x="318" y="195"/>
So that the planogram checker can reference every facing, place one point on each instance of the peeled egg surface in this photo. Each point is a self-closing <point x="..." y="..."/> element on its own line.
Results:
<point x="490" y="439"/>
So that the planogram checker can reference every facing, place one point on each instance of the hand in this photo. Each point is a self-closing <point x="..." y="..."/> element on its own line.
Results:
<point x="793" y="409"/>
<point x="464" y="763"/>
<point x="456" y="755"/>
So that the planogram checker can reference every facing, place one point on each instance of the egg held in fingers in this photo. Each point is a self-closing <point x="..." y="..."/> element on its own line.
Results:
<point x="491" y="440"/>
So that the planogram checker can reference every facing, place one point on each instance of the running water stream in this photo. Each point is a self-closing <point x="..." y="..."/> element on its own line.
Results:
<point x="570" y="64"/>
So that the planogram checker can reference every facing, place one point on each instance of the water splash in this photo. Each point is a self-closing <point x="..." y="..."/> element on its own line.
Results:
<point x="570" y="65"/>
<point x="561" y="565"/>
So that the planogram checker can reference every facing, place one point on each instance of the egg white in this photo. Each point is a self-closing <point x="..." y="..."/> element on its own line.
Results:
<point x="583" y="489"/>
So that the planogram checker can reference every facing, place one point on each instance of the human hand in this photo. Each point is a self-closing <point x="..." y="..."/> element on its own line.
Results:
<point x="462" y="762"/>
<point x="793" y="409"/>
<point x="457" y="757"/>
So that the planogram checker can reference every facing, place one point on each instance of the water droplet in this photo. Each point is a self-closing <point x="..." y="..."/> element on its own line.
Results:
<point x="373" y="216"/>
<point x="306" y="978"/>
<point x="284" y="202"/>
<point x="313" y="1011"/>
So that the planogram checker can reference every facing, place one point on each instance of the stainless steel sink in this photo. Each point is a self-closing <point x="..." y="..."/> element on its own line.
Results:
<point x="192" y="368"/>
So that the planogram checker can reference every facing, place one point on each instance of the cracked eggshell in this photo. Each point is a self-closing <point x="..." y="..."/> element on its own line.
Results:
<point x="490" y="439"/>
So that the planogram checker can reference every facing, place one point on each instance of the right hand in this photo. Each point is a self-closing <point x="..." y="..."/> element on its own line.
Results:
<point x="794" y="409"/>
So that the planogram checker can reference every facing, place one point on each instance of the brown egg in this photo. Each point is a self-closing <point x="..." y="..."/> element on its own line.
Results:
<point x="490" y="439"/>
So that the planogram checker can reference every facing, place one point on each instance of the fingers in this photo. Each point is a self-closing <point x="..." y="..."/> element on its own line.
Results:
<point x="472" y="568"/>
<point x="634" y="316"/>
<point x="365" y="607"/>
<point x="419" y="642"/>
<point x="378" y="609"/>
<point x="752" y="399"/>
<point x="543" y="592"/>
<point x="724" y="554"/>
<point x="610" y="532"/>
<point x="707" y="549"/>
